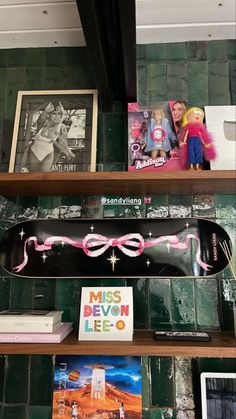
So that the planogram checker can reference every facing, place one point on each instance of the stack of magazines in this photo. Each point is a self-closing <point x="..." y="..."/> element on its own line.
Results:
<point x="33" y="326"/>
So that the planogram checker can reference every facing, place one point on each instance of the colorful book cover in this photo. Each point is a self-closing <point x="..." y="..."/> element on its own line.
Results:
<point x="106" y="313"/>
<point x="54" y="337"/>
<point x="152" y="140"/>
<point x="97" y="386"/>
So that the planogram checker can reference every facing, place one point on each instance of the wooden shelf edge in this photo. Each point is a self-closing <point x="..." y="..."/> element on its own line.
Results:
<point x="88" y="183"/>
<point x="223" y="345"/>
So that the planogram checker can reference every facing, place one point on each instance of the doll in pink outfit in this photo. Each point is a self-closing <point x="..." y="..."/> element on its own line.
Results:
<point x="197" y="142"/>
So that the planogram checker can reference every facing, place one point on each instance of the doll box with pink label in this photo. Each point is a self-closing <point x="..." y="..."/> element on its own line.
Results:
<point x="152" y="137"/>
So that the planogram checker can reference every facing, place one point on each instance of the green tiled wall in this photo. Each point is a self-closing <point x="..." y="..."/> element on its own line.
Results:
<point x="201" y="72"/>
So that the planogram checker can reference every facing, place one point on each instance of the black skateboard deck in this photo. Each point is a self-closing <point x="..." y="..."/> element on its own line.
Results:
<point x="118" y="248"/>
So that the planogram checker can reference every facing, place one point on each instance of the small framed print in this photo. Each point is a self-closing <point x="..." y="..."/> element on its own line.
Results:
<point x="55" y="131"/>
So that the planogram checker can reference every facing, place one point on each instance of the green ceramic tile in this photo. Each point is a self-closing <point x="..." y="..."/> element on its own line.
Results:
<point x="16" y="80"/>
<point x="231" y="49"/>
<point x="15" y="412"/>
<point x="21" y="294"/>
<point x="230" y="364"/>
<point x="48" y="207"/>
<point x="157" y="206"/>
<point x="218" y="84"/>
<point x="197" y="51"/>
<point x="162" y="413"/>
<point x="217" y="51"/>
<point x="155" y="52"/>
<point x="92" y="207"/>
<point x="55" y="78"/>
<point x="145" y="383"/>
<point x="35" y="78"/>
<point x="157" y="82"/>
<point x="40" y="412"/>
<point x="140" y="298"/>
<point x="146" y="413"/>
<point x="156" y="414"/>
<point x="70" y="207"/>
<point x="8" y="208"/>
<point x="41" y="378"/>
<point x="204" y="206"/>
<point x="183" y="304"/>
<point x="197" y="83"/>
<point x="16" y="390"/>
<point x="114" y="206"/>
<point x="77" y="55"/>
<point x="211" y="364"/>
<point x="114" y="282"/>
<point x="176" y="51"/>
<point x="67" y="298"/>
<point x="141" y="82"/>
<point x="3" y="74"/>
<point x="4" y="293"/>
<point x="135" y="207"/>
<point x="225" y="206"/>
<point x="27" y="208"/>
<point x="141" y="52"/>
<point x="44" y="294"/>
<point x="4" y="54"/>
<point x="180" y="206"/>
<point x="183" y="384"/>
<point x="207" y="304"/>
<point x="114" y="136"/>
<point x="162" y="381"/>
<point x="53" y="59"/>
<point x="177" y="80"/>
<point x="16" y="57"/>
<point x="35" y="57"/>
<point x="227" y="300"/>
<point x="84" y="74"/>
<point x="160" y="304"/>
<point x="2" y="376"/>
<point x="232" y="80"/>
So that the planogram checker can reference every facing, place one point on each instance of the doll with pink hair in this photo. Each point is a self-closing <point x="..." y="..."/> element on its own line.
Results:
<point x="197" y="143"/>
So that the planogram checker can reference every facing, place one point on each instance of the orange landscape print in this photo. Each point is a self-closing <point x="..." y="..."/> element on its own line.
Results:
<point x="97" y="387"/>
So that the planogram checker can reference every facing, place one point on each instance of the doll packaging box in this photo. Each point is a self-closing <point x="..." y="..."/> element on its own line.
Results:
<point x="153" y="143"/>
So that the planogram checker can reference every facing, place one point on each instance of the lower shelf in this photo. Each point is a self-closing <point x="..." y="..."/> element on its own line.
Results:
<point x="223" y="345"/>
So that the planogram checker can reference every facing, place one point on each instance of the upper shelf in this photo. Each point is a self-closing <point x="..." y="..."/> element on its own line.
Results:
<point x="120" y="183"/>
<point x="222" y="345"/>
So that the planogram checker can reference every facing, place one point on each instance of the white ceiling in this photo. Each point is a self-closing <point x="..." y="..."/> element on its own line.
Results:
<point x="50" y="23"/>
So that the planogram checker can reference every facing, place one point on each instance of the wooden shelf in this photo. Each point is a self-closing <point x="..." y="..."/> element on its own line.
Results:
<point x="223" y="345"/>
<point x="120" y="183"/>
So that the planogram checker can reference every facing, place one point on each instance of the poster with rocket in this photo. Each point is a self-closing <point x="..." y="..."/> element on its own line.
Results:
<point x="106" y="313"/>
<point x="97" y="387"/>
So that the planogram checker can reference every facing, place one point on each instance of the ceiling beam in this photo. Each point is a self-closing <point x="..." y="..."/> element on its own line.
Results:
<point x="109" y="28"/>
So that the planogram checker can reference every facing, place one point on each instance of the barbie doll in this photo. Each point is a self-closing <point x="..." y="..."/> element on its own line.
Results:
<point x="197" y="142"/>
<point x="160" y="138"/>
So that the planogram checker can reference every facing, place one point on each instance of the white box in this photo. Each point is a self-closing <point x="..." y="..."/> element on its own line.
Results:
<point x="221" y="123"/>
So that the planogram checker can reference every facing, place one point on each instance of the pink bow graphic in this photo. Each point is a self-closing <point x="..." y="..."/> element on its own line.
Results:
<point x="134" y="240"/>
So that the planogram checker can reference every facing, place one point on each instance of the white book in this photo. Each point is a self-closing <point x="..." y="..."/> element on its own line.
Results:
<point x="30" y="321"/>
<point x="106" y="313"/>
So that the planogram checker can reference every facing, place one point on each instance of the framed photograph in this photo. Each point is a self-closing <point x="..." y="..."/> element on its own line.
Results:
<point x="55" y="131"/>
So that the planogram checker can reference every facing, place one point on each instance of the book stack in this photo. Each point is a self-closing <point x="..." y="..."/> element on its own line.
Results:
<point x="33" y="326"/>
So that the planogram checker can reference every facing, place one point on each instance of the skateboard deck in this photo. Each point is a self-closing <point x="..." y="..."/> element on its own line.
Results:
<point x="119" y="248"/>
